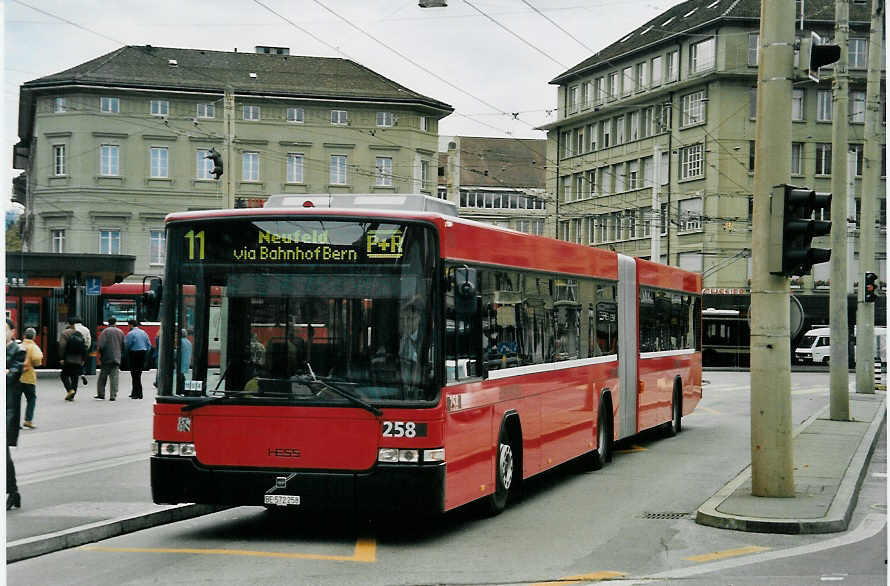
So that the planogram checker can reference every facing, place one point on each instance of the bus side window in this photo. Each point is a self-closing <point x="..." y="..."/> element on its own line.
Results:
<point x="463" y="330"/>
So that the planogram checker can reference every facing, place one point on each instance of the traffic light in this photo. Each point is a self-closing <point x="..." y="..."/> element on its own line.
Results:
<point x="214" y="156"/>
<point x="871" y="287"/>
<point x="814" y="54"/>
<point x="792" y="229"/>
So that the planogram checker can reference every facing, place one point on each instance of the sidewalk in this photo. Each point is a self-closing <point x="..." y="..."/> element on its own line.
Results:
<point x="830" y="458"/>
<point x="83" y="472"/>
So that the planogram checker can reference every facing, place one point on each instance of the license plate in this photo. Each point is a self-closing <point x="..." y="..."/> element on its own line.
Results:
<point x="281" y="499"/>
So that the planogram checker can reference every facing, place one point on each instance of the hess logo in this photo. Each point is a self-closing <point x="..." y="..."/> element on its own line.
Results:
<point x="284" y="452"/>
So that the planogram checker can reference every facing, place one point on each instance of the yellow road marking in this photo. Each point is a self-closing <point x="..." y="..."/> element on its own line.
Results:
<point x="633" y="448"/>
<point x="709" y="410"/>
<point x="604" y="575"/>
<point x="728" y="553"/>
<point x="365" y="552"/>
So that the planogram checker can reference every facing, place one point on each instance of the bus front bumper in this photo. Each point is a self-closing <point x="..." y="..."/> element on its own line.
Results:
<point x="384" y="488"/>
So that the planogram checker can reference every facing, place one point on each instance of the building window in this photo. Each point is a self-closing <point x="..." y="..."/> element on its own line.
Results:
<point x="823" y="158"/>
<point x="383" y="172"/>
<point x="797" y="158"/>
<point x="633" y="174"/>
<point x="57" y="237"/>
<point x="619" y="177"/>
<point x="797" y="104"/>
<point x="598" y="90"/>
<point x="656" y="71"/>
<point x="701" y="56"/>
<point x="424" y="123"/>
<point x="384" y="119"/>
<point x="157" y="247"/>
<point x="577" y="230"/>
<point x="294" y="168"/>
<point x="206" y="111"/>
<point x="626" y="81"/>
<point x="823" y="106"/>
<point x="857" y="52"/>
<point x="585" y="94"/>
<point x="250" y="112"/>
<point x="203" y="166"/>
<point x="338" y="169"/>
<point x="338" y="117"/>
<point x="109" y="241"/>
<point x="620" y="130"/>
<point x="646" y="218"/>
<point x="690" y="214"/>
<point x="646" y="170"/>
<point x="109" y="105"/>
<point x="672" y="66"/>
<point x="295" y="115"/>
<point x="858" y="151"/>
<point x="613" y="86"/>
<point x="752" y="103"/>
<point x="564" y="231"/>
<point x="159" y="163"/>
<point x="752" y="148"/>
<point x="641" y="76"/>
<point x="160" y="107"/>
<point x="573" y="99"/>
<point x="634" y="125"/>
<point x="424" y="175"/>
<point x="663" y="220"/>
<point x="753" y="49"/>
<point x="692" y="161"/>
<point x="607" y="133"/>
<point x="109" y="160"/>
<point x="60" y="105"/>
<point x="250" y="166"/>
<point x="857" y="107"/>
<point x="59" y="160"/>
<point x="664" y="165"/>
<point x="693" y="108"/>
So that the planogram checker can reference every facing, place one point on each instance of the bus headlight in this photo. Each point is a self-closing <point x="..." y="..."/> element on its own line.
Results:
<point x="410" y="456"/>
<point x="177" y="449"/>
<point x="388" y="455"/>
<point x="436" y="455"/>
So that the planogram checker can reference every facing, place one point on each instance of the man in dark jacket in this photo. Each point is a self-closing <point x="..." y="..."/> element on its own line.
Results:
<point x="15" y="363"/>
<point x="110" y="347"/>
<point x="73" y="357"/>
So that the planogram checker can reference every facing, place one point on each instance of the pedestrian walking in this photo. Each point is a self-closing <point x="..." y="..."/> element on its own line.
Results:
<point x="28" y="382"/>
<point x="137" y="346"/>
<point x="73" y="349"/>
<point x="88" y="340"/>
<point x="15" y="363"/>
<point x="110" y="347"/>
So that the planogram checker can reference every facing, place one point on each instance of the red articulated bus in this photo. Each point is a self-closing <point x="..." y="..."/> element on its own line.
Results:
<point x="381" y="353"/>
<point x="123" y="301"/>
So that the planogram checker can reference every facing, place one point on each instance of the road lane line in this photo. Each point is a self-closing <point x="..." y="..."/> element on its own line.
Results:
<point x="726" y="553"/>
<point x="73" y="469"/>
<point x="365" y="552"/>
<point x="592" y="577"/>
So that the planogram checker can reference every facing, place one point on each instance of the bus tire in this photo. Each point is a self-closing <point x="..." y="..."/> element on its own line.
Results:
<point x="602" y="455"/>
<point x="676" y="424"/>
<point x="504" y="474"/>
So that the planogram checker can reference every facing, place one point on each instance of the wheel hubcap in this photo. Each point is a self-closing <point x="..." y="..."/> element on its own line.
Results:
<point x="506" y="465"/>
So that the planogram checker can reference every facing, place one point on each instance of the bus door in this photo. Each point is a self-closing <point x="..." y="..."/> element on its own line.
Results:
<point x="628" y="346"/>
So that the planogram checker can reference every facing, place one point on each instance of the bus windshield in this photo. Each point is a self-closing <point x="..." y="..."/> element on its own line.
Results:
<point x="281" y="310"/>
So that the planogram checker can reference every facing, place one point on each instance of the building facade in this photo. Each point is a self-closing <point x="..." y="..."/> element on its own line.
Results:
<point x="499" y="181"/>
<point x="670" y="108"/>
<point x="113" y="145"/>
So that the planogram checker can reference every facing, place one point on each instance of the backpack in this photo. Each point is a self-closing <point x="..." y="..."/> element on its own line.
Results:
<point x="76" y="345"/>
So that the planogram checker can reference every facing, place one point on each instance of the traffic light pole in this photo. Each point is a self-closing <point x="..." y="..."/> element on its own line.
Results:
<point x="772" y="465"/>
<point x="865" y="312"/>
<point x="839" y="401"/>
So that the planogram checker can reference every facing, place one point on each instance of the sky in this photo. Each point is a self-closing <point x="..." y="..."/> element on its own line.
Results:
<point x="488" y="59"/>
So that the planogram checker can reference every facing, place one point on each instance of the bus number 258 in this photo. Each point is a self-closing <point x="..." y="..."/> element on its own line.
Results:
<point x="403" y="429"/>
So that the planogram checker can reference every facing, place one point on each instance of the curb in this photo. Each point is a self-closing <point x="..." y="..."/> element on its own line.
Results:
<point x="839" y="512"/>
<point x="30" y="547"/>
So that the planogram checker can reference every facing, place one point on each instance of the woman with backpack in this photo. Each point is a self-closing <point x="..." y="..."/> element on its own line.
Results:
<point x="73" y="348"/>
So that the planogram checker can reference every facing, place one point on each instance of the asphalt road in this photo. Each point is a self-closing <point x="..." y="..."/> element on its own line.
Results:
<point x="630" y="521"/>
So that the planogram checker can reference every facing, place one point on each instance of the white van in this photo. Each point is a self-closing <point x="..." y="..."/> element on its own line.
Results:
<point x="815" y="346"/>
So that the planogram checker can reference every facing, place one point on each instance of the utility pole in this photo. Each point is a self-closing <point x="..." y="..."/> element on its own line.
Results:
<point x="839" y="401"/>
<point x="772" y="465"/>
<point x="871" y="180"/>
<point x="229" y="123"/>
<point x="655" y="227"/>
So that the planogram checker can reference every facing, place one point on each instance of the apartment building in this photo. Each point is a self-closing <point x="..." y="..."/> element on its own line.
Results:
<point x="111" y="146"/>
<point x="499" y="181"/>
<point x="670" y="108"/>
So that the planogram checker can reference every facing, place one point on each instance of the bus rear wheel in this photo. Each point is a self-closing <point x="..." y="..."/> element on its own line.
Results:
<point x="504" y="474"/>
<point x="599" y="457"/>
<point x="676" y="425"/>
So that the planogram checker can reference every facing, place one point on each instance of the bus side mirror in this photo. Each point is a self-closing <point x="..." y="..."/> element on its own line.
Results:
<point x="465" y="291"/>
<point x="151" y="299"/>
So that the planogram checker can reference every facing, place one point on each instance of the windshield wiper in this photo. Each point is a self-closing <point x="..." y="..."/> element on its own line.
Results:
<point x="345" y="394"/>
<point x="201" y="403"/>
